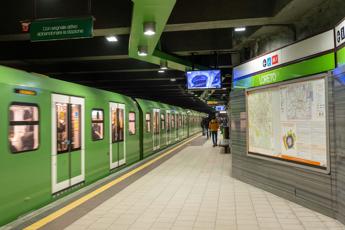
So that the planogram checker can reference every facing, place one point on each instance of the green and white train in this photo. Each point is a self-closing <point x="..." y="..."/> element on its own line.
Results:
<point x="56" y="137"/>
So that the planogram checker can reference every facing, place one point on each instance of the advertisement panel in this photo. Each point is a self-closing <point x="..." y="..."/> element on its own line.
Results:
<point x="288" y="123"/>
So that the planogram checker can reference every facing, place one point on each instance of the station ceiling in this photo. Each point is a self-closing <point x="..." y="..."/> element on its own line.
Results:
<point x="200" y="31"/>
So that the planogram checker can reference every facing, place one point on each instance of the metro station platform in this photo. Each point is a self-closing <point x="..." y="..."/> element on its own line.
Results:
<point x="186" y="187"/>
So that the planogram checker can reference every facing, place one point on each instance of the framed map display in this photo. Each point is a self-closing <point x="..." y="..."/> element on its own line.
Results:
<point x="288" y="123"/>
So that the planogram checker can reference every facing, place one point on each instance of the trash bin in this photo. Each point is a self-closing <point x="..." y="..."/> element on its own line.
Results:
<point x="225" y="143"/>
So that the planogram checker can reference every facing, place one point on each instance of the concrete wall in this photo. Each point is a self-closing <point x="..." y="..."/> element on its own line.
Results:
<point x="318" y="19"/>
<point x="321" y="18"/>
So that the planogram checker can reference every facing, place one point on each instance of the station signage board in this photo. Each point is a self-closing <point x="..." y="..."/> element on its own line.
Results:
<point x="340" y="42"/>
<point x="259" y="64"/>
<point x="293" y="61"/>
<point x="340" y="34"/>
<point x="61" y="29"/>
<point x="212" y="102"/>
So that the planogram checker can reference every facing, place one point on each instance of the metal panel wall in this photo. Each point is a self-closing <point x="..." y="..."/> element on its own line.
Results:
<point x="339" y="105"/>
<point x="310" y="189"/>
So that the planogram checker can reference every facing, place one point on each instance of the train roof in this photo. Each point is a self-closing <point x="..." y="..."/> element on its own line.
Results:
<point x="40" y="82"/>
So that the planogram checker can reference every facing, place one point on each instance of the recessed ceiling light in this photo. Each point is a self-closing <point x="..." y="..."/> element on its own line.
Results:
<point x="111" y="38"/>
<point x="142" y="51"/>
<point x="172" y="79"/>
<point x="164" y="64"/>
<point x="161" y="71"/>
<point x="149" y="28"/>
<point x="240" y="29"/>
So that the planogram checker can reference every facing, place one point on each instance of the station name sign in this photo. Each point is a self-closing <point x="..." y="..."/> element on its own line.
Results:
<point x="296" y="52"/>
<point x="340" y="34"/>
<point x="61" y="29"/>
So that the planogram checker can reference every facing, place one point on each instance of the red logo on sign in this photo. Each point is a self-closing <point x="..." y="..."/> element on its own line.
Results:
<point x="25" y="26"/>
<point x="275" y="59"/>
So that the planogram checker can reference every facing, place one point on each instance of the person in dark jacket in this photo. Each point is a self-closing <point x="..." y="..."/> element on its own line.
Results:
<point x="204" y="125"/>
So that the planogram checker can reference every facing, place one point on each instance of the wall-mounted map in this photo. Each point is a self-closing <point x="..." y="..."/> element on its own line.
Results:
<point x="288" y="122"/>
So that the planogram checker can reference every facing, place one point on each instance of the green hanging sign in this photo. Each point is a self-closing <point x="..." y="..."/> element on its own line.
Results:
<point x="61" y="29"/>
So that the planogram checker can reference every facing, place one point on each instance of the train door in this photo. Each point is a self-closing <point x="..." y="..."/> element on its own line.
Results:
<point x="162" y="129"/>
<point x="168" y="127"/>
<point x="177" y="117"/>
<point x="68" y="148"/>
<point x="173" y="126"/>
<point x="156" y="129"/>
<point x="183" y="126"/>
<point x="117" y="142"/>
<point x="188" y="125"/>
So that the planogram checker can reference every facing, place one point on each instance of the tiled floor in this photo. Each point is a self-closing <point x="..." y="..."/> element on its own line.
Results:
<point x="194" y="190"/>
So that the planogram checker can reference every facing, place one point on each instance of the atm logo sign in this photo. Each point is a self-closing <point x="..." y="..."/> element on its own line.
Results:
<point x="270" y="61"/>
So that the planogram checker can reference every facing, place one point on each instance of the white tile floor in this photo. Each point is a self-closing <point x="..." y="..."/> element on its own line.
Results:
<point x="194" y="190"/>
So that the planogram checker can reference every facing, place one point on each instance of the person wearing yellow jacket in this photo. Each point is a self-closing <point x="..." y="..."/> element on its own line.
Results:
<point x="213" y="127"/>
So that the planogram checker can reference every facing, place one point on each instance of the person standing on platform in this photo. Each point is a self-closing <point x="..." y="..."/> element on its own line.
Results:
<point x="214" y="126"/>
<point x="204" y="124"/>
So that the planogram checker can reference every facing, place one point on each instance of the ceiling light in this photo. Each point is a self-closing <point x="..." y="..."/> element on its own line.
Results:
<point x="142" y="51"/>
<point x="161" y="71"/>
<point x="149" y="28"/>
<point x="164" y="64"/>
<point x="172" y="79"/>
<point x="111" y="38"/>
<point x="240" y="29"/>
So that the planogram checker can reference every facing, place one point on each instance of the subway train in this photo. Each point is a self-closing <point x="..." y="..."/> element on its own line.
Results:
<point x="57" y="137"/>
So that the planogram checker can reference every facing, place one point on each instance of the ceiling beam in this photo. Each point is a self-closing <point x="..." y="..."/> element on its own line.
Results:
<point x="220" y="24"/>
<point x="286" y="16"/>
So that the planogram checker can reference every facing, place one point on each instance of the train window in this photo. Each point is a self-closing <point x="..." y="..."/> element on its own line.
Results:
<point x="24" y="127"/>
<point x="62" y="127"/>
<point x="156" y="122"/>
<point x="168" y="122"/>
<point x="131" y="125"/>
<point x="117" y="124"/>
<point x="121" y="113"/>
<point x="148" y="122"/>
<point x="97" y="124"/>
<point x="173" y="121"/>
<point x="180" y="120"/>
<point x="75" y="117"/>
<point x="68" y="126"/>
<point x="162" y="121"/>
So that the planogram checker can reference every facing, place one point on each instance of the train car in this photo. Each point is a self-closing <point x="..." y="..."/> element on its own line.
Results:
<point x="57" y="137"/>
<point x="163" y="125"/>
<point x="194" y="119"/>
